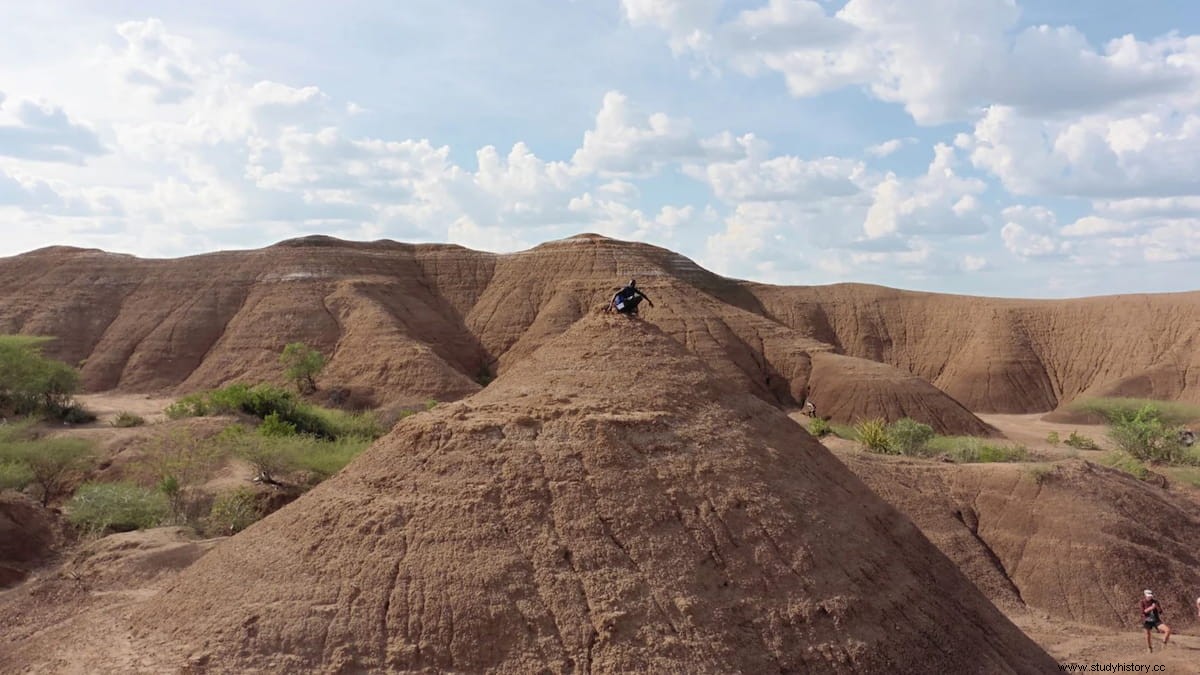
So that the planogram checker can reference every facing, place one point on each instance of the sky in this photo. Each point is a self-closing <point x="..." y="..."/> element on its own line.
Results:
<point x="1044" y="148"/>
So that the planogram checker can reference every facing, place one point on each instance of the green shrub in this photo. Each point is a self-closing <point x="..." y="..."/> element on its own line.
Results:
<point x="233" y="512"/>
<point x="322" y="459"/>
<point x="52" y="462"/>
<point x="819" y="428"/>
<point x="192" y="405"/>
<point x="1111" y="410"/>
<point x="873" y="434"/>
<point x="1053" y="439"/>
<point x="987" y="452"/>
<point x="972" y="450"/>
<point x="1146" y="434"/>
<point x="1123" y="461"/>
<point x="125" y="420"/>
<point x="909" y="437"/>
<point x="15" y="476"/>
<point x="1080" y="442"/>
<point x="302" y="364"/>
<point x="844" y="431"/>
<point x="17" y="430"/>
<point x="101" y="507"/>
<point x="273" y="425"/>
<point x="484" y="376"/>
<point x="31" y="383"/>
<point x="270" y="458"/>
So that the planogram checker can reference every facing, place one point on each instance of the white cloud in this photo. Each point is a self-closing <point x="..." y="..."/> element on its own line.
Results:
<point x="1154" y="153"/>
<point x="760" y="177"/>
<point x="624" y="143"/>
<point x="44" y="132"/>
<point x="157" y="62"/>
<point x="941" y="201"/>
<point x="1031" y="232"/>
<point x="972" y="263"/>
<point x="1091" y="226"/>
<point x="940" y="59"/>
<point x="889" y="147"/>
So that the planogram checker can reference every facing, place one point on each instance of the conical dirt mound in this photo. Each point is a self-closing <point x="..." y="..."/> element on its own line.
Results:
<point x="607" y="505"/>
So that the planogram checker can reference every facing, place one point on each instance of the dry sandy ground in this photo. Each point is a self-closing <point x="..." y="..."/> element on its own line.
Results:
<point x="108" y="405"/>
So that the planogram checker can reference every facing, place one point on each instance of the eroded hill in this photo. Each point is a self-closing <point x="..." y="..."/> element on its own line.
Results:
<point x="413" y="322"/>
<point x="575" y="517"/>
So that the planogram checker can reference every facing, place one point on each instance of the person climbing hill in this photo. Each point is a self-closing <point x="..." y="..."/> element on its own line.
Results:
<point x="627" y="299"/>
<point x="1152" y="615"/>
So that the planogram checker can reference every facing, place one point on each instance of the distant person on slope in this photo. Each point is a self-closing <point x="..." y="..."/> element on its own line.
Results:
<point x="627" y="299"/>
<point x="1152" y="615"/>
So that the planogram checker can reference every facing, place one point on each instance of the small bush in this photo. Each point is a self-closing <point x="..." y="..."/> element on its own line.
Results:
<point x="120" y="507"/>
<point x="125" y="420"/>
<point x="986" y="452"/>
<point x="873" y="434"/>
<point x="269" y="457"/>
<point x="192" y="405"/>
<point x="844" y="431"/>
<point x="302" y="364"/>
<point x="1053" y="439"/>
<point x="1147" y="435"/>
<point x="273" y="425"/>
<point x="909" y="437"/>
<point x="322" y="459"/>
<point x="233" y="512"/>
<point x="76" y="414"/>
<point x="1123" y="461"/>
<point x="972" y="450"/>
<point x="819" y="428"/>
<point x="1040" y="473"/>
<point x="1080" y="442"/>
<point x="15" y="476"/>
<point x="53" y="462"/>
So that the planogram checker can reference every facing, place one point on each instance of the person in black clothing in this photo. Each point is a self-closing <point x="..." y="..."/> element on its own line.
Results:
<point x="627" y="299"/>
<point x="1152" y="618"/>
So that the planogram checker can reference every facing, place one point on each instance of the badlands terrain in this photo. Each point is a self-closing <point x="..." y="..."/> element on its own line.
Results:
<point x="604" y="494"/>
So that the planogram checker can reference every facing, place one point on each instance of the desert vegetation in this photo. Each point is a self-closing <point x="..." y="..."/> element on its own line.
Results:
<point x="1147" y="431"/>
<point x="32" y="384"/>
<point x="913" y="439"/>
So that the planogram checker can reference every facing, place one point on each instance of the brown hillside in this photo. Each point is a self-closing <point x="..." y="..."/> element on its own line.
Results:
<point x="580" y="517"/>
<point x="1080" y="543"/>
<point x="1008" y="356"/>
<point x="414" y="322"/>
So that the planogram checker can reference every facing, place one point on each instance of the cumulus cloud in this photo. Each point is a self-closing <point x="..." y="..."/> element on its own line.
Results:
<point x="940" y="59"/>
<point x="757" y="176"/>
<point x="941" y="201"/>
<point x="157" y="62"/>
<point x="1031" y="232"/>
<point x="625" y="143"/>
<point x="1148" y="154"/>
<point x="45" y="132"/>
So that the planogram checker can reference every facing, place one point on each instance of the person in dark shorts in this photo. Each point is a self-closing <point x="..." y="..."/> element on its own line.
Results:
<point x="1152" y="618"/>
<point x="627" y="299"/>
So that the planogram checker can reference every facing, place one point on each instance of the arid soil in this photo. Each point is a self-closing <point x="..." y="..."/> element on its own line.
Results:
<point x="578" y="517"/>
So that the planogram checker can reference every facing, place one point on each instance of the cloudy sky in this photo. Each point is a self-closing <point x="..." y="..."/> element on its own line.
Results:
<point x="1042" y="148"/>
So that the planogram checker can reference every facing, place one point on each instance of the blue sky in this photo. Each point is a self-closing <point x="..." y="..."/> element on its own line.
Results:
<point x="1038" y="149"/>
